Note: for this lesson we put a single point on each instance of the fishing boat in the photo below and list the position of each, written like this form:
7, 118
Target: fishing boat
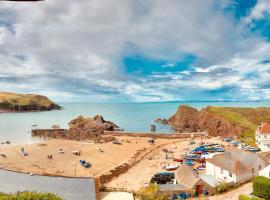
171, 167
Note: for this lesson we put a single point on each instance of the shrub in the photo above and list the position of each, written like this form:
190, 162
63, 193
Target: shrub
151, 193
261, 187
223, 187
244, 197
29, 196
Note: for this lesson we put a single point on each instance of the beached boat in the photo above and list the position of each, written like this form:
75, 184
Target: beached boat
76, 152
171, 167
189, 162
85, 163
178, 160
117, 142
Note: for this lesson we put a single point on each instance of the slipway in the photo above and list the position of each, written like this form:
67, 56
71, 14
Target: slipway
67, 188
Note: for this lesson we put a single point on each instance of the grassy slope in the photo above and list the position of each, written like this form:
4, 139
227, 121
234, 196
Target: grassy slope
247, 118
19, 99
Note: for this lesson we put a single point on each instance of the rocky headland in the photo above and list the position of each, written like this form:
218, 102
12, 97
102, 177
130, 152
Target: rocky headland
220, 121
12, 102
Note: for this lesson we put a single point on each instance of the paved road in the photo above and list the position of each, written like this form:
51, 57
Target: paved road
67, 188
234, 194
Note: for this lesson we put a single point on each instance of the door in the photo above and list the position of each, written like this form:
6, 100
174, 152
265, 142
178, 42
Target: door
199, 189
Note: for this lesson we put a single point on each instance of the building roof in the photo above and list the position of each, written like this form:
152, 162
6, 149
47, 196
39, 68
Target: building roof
67, 188
264, 128
210, 180
186, 176
266, 157
236, 161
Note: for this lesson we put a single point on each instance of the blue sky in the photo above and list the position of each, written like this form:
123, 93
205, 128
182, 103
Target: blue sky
136, 51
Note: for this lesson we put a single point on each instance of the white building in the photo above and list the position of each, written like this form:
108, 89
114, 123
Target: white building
234, 165
265, 172
263, 136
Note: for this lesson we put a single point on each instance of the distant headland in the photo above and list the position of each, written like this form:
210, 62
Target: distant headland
12, 102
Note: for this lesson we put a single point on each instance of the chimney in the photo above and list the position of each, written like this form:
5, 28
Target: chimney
236, 165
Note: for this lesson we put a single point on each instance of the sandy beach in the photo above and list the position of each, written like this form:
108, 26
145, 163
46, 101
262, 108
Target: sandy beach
63, 164
149, 158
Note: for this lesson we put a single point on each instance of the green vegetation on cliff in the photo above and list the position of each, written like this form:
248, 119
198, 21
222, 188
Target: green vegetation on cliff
27, 102
246, 118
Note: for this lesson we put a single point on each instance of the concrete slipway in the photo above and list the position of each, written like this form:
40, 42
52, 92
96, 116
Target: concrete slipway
67, 188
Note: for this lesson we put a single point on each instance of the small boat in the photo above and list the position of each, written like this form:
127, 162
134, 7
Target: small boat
100, 150
61, 151
34, 125
23, 152
117, 142
172, 167
253, 149
85, 163
76, 152
189, 162
178, 160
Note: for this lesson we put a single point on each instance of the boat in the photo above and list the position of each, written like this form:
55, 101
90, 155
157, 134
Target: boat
61, 151
85, 163
23, 152
76, 152
178, 160
189, 162
117, 142
253, 149
171, 167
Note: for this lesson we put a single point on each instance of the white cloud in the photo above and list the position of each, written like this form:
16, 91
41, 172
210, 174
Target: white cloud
76, 48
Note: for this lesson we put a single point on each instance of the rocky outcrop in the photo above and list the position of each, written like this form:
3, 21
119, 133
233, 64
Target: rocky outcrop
81, 128
89, 128
188, 119
11, 102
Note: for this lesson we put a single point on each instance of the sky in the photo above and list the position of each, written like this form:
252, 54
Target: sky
136, 51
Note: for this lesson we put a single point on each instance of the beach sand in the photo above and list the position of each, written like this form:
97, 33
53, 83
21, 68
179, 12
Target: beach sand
149, 158
140, 174
64, 164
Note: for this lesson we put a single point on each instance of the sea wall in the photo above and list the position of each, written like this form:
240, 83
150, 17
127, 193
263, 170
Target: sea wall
156, 135
61, 133
52, 133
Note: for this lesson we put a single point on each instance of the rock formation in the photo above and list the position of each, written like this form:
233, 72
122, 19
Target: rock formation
86, 128
218, 121
81, 128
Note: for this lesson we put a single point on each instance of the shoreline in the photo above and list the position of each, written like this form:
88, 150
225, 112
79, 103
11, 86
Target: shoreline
31, 111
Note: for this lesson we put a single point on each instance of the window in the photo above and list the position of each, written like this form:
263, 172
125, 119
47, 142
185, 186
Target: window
221, 171
260, 167
230, 174
253, 171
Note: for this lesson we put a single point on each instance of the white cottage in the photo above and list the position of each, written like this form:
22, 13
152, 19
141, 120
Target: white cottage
265, 172
263, 136
234, 165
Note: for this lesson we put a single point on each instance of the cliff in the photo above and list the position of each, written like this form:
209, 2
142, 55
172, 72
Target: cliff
11, 102
220, 121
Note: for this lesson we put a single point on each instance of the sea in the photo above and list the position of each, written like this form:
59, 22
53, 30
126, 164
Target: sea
132, 117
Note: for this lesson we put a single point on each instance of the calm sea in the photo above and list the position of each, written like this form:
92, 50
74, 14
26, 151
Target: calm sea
138, 117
